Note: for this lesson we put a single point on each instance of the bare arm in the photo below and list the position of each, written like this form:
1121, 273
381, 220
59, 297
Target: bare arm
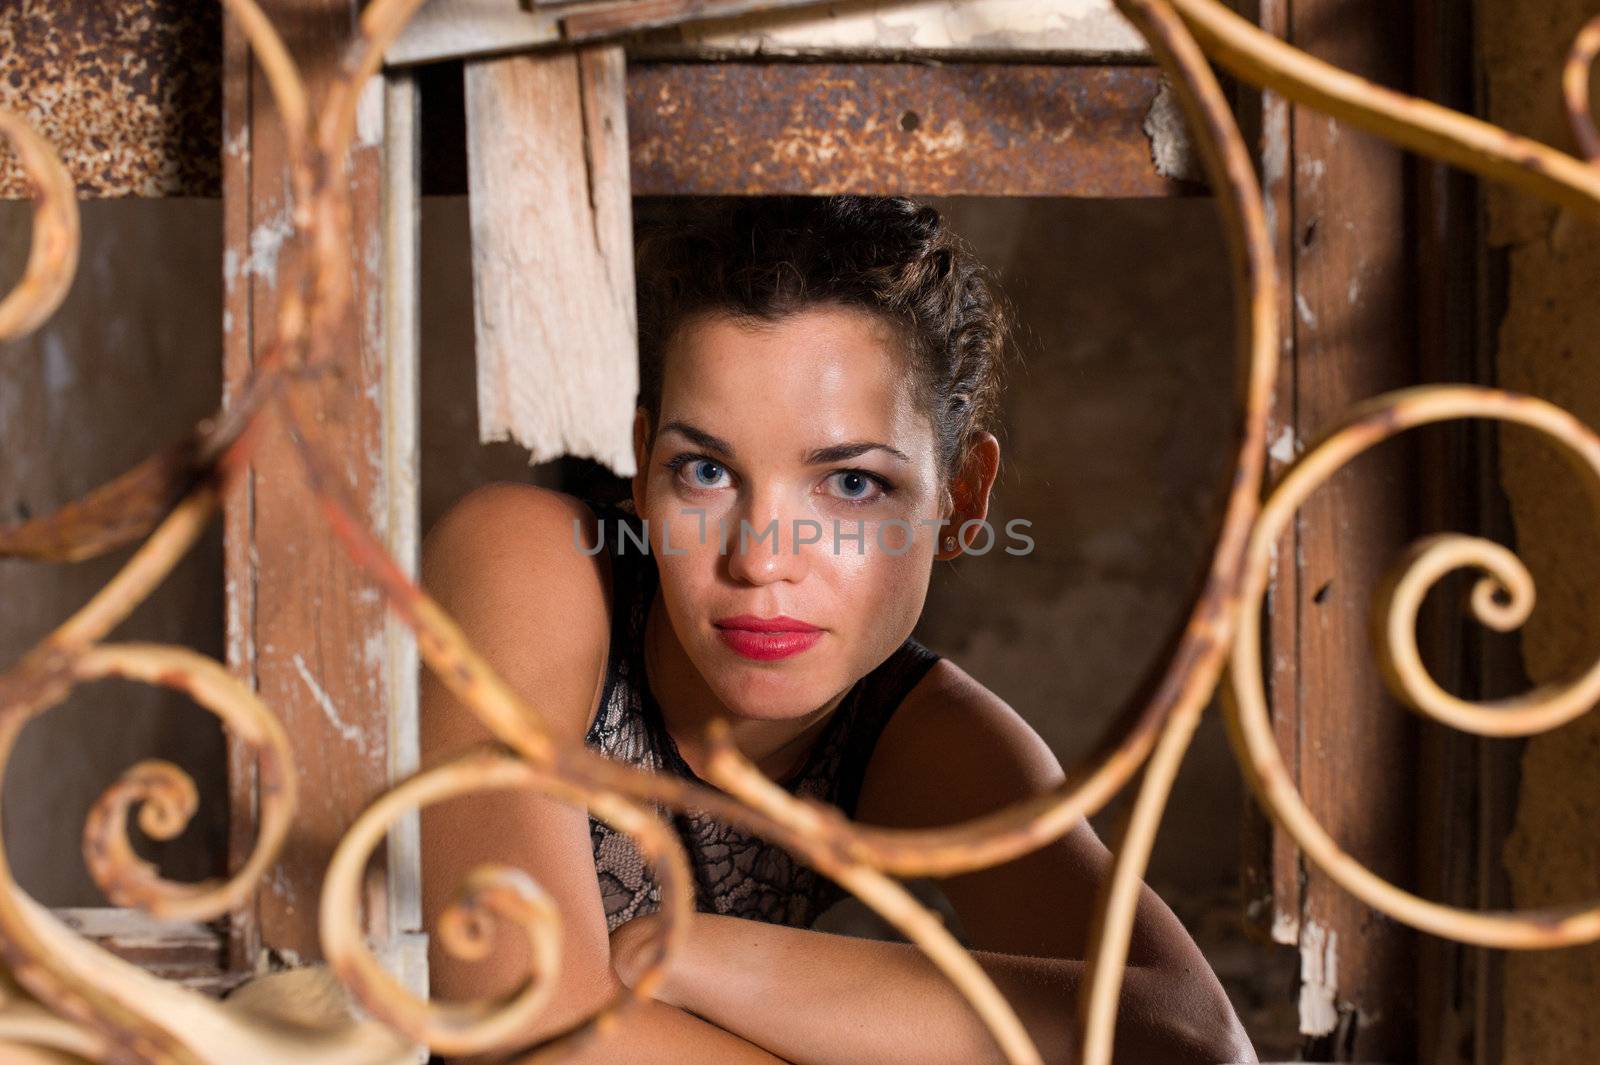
503, 563
822, 999
954, 751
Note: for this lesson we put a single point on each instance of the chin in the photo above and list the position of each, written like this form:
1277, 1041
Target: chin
767, 704
760, 692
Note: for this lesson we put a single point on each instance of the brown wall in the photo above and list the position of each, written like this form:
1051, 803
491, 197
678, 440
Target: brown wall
1547, 346
131, 362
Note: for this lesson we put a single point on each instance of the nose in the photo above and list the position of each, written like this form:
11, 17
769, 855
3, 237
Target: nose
769, 542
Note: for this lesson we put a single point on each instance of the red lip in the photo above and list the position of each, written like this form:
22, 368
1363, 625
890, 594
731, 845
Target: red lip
781, 623
766, 639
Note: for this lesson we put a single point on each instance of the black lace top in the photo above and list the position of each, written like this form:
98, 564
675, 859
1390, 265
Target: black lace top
734, 873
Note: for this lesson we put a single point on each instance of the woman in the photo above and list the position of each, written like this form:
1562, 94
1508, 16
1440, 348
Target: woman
818, 382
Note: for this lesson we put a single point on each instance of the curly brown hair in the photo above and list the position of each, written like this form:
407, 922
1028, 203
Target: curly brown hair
769, 257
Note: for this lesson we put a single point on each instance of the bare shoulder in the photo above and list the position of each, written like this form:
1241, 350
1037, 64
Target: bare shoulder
953, 749
516, 566
504, 517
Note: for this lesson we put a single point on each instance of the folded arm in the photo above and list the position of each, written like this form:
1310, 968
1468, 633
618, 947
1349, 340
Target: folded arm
954, 751
815, 998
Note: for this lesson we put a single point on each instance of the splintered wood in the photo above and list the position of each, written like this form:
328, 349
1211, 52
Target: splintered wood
552, 254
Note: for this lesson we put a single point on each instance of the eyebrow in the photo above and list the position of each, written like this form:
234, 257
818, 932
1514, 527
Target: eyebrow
818, 456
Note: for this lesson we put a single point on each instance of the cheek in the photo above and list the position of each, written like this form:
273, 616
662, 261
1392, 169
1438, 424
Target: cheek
878, 593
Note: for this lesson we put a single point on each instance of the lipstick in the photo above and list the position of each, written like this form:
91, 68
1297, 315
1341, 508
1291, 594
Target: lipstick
766, 639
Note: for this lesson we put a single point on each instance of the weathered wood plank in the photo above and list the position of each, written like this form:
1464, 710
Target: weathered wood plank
402, 496
184, 952
1085, 30
307, 627
456, 29
1273, 871
238, 522
1064, 29
453, 29
552, 239
1341, 202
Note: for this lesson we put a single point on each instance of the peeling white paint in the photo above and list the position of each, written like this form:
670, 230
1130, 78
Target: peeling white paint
1307, 316
1285, 928
369, 113
282, 886
374, 652
266, 241
1274, 159
1171, 148
1284, 447
1319, 979
350, 732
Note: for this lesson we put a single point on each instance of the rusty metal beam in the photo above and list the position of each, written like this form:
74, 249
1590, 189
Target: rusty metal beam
150, 126
963, 129
129, 93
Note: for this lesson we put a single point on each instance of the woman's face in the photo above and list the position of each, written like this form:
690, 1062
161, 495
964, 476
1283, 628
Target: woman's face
797, 448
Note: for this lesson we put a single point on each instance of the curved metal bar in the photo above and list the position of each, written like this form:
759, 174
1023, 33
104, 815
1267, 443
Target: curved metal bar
1409, 121
1239, 200
53, 256
1250, 728
1575, 89
462, 1028
166, 795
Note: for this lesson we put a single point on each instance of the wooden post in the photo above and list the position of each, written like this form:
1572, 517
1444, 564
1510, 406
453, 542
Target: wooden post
1340, 204
305, 627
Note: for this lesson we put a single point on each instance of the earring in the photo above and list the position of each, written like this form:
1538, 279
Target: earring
949, 543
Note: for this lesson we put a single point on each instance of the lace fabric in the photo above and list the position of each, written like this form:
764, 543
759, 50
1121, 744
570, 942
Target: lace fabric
735, 873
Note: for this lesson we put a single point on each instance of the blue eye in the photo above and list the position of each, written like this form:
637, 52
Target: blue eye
701, 472
698, 472
857, 485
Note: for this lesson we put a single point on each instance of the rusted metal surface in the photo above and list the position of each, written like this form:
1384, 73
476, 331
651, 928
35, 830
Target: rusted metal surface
129, 92
901, 128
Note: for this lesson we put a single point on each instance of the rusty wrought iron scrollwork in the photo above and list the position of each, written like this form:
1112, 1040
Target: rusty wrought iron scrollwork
59, 991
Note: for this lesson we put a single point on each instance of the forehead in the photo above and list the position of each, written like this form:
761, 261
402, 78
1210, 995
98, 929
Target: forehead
824, 372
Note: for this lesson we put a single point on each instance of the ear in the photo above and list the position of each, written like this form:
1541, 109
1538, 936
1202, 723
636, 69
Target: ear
969, 494
641, 456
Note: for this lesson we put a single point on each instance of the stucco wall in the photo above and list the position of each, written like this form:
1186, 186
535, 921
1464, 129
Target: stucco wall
1548, 346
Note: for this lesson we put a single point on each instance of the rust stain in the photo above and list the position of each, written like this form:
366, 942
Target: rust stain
737, 128
128, 91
